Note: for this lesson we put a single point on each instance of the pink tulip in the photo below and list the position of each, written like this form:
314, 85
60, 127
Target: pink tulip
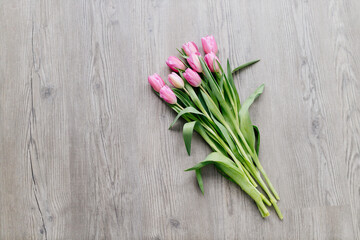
176, 80
168, 95
190, 47
209, 59
156, 82
174, 63
194, 62
209, 44
192, 77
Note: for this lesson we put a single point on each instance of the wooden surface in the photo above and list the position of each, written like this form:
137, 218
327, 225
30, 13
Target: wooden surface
84, 148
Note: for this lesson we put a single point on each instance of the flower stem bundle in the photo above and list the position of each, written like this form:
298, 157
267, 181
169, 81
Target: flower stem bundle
205, 96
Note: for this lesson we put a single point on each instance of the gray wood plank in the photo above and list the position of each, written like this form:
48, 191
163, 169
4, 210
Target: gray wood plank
85, 150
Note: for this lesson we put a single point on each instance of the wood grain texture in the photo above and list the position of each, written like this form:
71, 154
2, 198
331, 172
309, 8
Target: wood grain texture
84, 148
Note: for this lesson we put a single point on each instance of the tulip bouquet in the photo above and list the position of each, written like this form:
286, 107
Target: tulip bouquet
205, 96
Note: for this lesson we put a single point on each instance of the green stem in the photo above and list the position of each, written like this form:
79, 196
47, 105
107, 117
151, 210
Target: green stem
256, 195
186, 91
228, 150
265, 200
253, 182
202, 88
257, 162
190, 91
241, 149
237, 162
262, 212
255, 174
248, 162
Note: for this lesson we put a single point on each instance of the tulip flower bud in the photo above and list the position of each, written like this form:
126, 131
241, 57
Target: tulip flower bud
194, 62
190, 47
192, 77
156, 82
209, 59
176, 80
174, 63
168, 95
209, 44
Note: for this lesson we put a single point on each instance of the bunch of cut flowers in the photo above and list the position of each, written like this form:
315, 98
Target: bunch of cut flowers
205, 96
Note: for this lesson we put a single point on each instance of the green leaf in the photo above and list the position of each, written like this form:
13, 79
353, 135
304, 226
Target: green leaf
199, 180
245, 122
183, 97
206, 86
233, 88
215, 87
227, 91
182, 53
211, 105
224, 174
218, 158
187, 134
245, 65
185, 110
194, 97
185, 63
212, 142
232, 171
221, 80
224, 133
212, 82
257, 139
203, 103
